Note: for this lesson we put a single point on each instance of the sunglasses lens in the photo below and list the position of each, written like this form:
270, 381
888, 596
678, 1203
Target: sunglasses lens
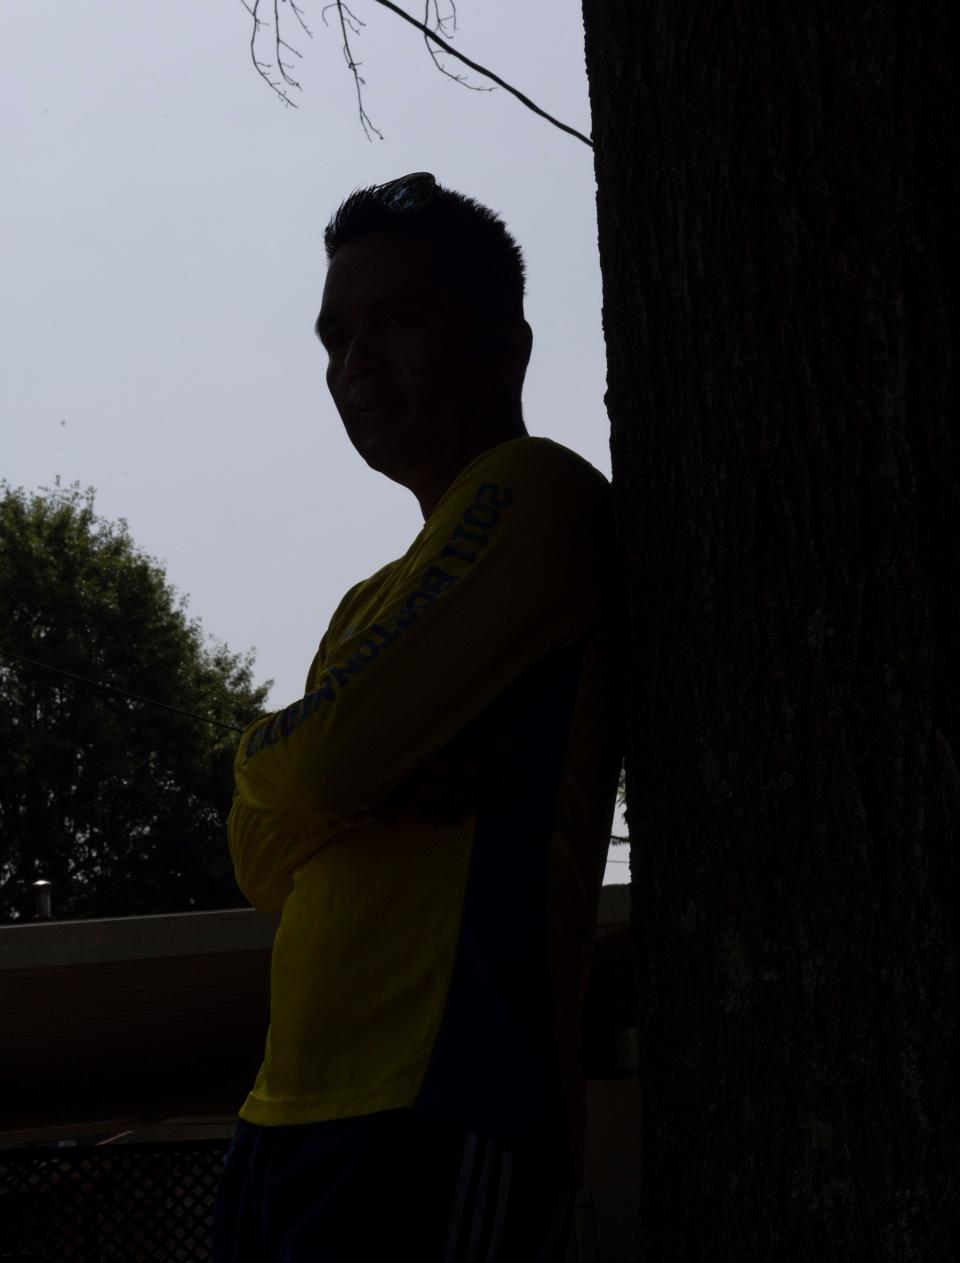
410, 192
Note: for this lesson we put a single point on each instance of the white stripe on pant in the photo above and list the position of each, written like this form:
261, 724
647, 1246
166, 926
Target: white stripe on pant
480, 1218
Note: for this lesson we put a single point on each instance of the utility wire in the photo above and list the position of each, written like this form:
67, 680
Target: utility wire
616, 837
149, 701
112, 688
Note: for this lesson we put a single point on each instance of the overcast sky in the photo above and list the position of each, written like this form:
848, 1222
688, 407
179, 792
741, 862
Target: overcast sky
162, 263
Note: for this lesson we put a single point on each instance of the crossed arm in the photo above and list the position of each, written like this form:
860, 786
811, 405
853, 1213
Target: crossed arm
448, 787
388, 729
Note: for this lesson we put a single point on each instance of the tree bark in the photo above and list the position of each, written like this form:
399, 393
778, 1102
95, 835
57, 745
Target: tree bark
777, 206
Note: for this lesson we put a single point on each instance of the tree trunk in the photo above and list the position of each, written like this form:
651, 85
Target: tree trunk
777, 215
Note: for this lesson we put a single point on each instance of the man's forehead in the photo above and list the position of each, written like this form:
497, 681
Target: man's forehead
380, 262
380, 257
367, 291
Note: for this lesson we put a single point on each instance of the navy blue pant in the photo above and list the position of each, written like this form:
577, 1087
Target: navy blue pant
396, 1184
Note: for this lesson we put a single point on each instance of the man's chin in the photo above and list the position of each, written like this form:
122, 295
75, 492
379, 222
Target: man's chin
381, 452
392, 460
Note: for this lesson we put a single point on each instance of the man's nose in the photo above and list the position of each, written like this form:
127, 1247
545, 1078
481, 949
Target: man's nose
364, 352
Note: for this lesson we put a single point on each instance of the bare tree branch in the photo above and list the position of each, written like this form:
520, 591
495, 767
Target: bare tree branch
348, 18
282, 66
430, 49
299, 16
388, 4
262, 67
365, 120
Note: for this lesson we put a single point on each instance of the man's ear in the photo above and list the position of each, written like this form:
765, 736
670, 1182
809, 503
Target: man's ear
519, 341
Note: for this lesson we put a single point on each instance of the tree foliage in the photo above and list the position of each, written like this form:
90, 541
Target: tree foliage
120, 804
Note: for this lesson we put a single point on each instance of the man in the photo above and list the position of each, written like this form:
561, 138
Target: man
433, 815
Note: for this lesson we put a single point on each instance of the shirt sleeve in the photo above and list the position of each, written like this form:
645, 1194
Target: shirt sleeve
512, 563
266, 853
264, 850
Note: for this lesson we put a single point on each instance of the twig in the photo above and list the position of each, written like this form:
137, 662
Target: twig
388, 4
262, 67
281, 64
474, 87
348, 18
299, 15
365, 121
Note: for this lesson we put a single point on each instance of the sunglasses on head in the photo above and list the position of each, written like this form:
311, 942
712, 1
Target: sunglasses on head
409, 192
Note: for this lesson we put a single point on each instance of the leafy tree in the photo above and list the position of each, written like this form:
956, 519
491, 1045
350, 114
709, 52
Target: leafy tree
119, 803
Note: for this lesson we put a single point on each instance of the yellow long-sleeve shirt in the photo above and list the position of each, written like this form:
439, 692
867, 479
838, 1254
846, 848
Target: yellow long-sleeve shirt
442, 967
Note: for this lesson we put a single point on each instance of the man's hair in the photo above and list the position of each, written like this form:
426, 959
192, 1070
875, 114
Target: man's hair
470, 239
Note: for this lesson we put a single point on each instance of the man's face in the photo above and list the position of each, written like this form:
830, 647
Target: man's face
406, 369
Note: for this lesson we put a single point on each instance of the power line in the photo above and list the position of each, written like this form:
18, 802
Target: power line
149, 701
112, 688
616, 837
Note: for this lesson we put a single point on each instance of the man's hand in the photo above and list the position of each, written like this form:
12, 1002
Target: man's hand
447, 789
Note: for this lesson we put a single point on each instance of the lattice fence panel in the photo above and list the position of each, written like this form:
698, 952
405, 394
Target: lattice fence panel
120, 1204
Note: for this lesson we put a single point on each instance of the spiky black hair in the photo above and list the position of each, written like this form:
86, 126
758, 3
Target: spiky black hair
470, 238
